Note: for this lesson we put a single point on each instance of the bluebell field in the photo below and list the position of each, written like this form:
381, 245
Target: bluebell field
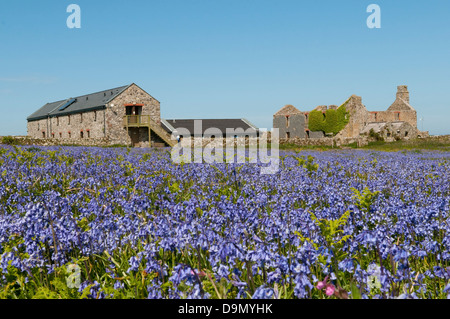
81, 222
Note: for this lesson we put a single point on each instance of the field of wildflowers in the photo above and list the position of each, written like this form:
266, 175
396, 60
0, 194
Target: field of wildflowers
120, 223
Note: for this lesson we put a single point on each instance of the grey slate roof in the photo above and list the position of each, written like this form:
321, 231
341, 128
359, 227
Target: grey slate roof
221, 124
83, 103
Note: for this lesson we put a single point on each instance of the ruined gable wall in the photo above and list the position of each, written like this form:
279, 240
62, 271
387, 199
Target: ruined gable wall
359, 117
296, 128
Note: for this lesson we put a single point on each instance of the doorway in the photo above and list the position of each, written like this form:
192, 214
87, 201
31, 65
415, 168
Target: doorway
133, 111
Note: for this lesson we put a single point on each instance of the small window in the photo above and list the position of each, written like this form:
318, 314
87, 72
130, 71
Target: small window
376, 115
406, 133
68, 119
287, 121
60, 135
70, 135
397, 116
53, 135
88, 134
288, 135
43, 134
95, 116
81, 117
81, 134
57, 121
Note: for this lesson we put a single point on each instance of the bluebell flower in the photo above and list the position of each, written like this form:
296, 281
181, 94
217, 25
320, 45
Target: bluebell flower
263, 293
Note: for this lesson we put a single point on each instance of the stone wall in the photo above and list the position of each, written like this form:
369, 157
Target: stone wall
409, 116
359, 117
37, 129
26, 140
293, 125
316, 134
116, 111
326, 141
74, 126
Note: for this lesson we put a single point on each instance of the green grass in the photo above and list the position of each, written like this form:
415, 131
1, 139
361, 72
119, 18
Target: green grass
289, 146
416, 144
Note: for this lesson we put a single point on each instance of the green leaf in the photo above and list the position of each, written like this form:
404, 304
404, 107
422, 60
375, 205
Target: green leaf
355, 292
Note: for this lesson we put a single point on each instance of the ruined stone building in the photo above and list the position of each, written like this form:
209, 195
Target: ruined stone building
399, 121
125, 115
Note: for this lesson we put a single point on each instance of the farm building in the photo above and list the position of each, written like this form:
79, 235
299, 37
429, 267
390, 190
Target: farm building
125, 115
399, 121
203, 127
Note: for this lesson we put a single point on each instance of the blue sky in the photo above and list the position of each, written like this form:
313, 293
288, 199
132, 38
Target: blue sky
226, 58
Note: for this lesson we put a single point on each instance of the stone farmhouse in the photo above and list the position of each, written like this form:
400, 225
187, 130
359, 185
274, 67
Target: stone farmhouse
399, 121
125, 115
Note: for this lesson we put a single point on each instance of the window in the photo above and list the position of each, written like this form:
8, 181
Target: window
68, 119
81, 134
57, 121
95, 116
43, 134
397, 116
287, 120
406, 133
288, 135
60, 135
53, 135
81, 117
375, 115
39, 126
88, 133
306, 116
67, 104
70, 134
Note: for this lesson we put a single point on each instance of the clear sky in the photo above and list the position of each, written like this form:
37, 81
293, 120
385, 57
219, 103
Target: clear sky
227, 58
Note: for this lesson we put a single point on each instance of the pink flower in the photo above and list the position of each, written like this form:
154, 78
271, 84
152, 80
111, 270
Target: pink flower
329, 291
320, 285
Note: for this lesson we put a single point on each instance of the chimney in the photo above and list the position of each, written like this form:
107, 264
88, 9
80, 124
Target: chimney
402, 93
